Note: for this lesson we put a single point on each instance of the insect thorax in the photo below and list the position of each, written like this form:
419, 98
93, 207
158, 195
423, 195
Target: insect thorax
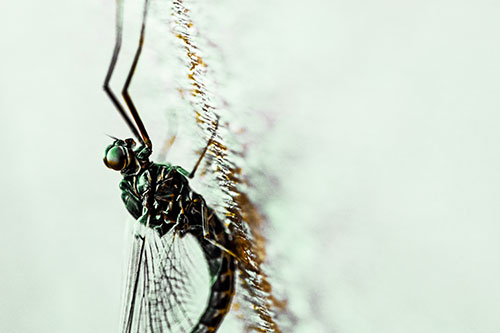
159, 196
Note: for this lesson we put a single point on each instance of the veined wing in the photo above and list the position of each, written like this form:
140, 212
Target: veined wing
167, 285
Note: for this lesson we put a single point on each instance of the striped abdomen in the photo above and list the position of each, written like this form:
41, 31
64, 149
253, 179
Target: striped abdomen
222, 269
221, 295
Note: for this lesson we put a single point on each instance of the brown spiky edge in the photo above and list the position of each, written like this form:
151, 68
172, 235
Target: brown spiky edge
243, 218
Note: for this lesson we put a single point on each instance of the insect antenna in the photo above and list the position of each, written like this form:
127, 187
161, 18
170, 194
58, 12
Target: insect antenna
111, 68
110, 136
125, 92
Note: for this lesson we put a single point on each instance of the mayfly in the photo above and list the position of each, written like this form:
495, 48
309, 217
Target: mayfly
159, 197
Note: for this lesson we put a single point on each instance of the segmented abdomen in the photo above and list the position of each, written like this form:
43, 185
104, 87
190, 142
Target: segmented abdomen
220, 298
222, 269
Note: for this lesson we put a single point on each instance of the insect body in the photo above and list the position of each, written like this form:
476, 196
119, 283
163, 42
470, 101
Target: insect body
160, 198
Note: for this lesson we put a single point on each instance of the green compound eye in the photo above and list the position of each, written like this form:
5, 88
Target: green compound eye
116, 158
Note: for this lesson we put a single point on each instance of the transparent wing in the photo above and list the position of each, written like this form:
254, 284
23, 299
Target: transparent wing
167, 286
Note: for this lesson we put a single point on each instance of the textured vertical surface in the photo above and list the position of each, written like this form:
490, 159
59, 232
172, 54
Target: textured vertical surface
225, 170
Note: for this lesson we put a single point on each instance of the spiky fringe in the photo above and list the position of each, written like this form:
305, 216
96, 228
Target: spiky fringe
243, 218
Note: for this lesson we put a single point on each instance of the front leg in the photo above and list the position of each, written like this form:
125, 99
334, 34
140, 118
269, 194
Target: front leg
138, 203
131, 201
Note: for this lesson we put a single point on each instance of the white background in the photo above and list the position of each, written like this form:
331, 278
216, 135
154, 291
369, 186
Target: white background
384, 121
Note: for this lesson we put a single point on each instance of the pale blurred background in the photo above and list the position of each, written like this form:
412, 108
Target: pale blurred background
378, 121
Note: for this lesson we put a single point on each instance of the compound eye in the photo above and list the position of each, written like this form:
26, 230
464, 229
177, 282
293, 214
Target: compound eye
116, 158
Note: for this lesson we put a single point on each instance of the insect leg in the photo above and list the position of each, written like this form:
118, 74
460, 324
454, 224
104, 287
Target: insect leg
191, 175
204, 220
206, 232
111, 68
162, 156
220, 246
125, 92
171, 135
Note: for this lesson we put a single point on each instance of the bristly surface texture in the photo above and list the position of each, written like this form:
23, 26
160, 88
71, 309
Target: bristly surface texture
223, 173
